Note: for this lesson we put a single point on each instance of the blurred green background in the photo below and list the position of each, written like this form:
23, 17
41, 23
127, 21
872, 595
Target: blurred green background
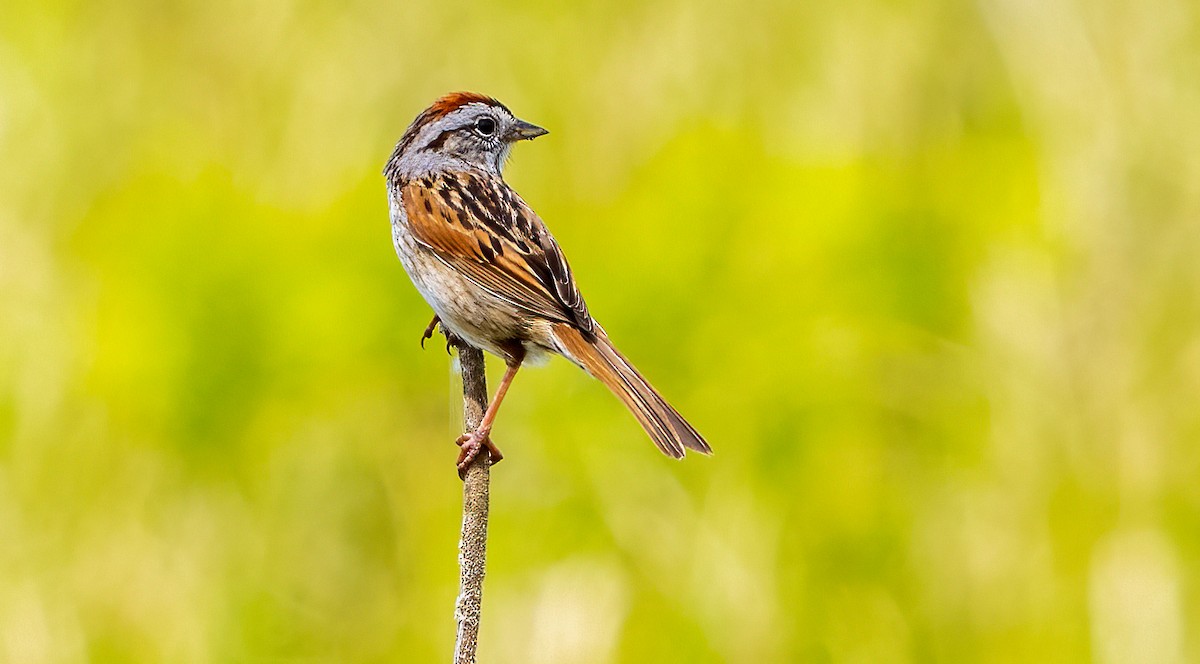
926, 274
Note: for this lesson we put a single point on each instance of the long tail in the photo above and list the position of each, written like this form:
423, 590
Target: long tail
666, 427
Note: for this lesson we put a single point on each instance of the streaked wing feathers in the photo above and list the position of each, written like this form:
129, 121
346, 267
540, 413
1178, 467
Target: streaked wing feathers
479, 226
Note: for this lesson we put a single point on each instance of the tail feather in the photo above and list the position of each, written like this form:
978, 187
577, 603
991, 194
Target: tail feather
665, 426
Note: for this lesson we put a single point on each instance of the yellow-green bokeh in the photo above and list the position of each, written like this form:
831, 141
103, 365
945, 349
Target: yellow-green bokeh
925, 274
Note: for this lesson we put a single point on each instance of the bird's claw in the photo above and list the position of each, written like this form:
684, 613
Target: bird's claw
452, 340
429, 331
471, 444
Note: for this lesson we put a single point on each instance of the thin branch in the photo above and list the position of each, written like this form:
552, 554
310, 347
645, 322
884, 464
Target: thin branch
472, 552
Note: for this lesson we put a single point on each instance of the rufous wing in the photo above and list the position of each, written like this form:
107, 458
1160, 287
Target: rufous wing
478, 226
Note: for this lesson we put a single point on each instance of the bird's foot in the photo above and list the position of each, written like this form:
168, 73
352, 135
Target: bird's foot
452, 340
429, 330
472, 444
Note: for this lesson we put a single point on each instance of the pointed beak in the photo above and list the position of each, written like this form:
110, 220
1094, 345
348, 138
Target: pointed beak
523, 131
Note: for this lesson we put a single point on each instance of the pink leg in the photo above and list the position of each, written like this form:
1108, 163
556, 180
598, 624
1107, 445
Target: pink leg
478, 439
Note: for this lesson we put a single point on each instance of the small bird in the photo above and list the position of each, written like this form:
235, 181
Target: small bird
494, 276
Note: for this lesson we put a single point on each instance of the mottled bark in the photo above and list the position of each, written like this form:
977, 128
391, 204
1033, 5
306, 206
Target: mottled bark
472, 552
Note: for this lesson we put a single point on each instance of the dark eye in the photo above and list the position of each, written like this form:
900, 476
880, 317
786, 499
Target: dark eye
485, 126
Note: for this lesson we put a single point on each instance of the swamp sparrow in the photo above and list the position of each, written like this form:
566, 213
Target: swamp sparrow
494, 275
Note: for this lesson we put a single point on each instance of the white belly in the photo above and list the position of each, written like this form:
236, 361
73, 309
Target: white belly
468, 310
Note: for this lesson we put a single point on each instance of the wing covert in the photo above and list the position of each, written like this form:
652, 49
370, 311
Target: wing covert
482, 228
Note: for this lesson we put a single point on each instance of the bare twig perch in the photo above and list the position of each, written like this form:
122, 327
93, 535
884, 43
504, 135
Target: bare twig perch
472, 553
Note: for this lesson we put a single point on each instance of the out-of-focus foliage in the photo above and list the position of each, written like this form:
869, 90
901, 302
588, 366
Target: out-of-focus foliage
926, 274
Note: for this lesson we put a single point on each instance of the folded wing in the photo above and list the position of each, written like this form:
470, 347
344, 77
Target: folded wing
480, 227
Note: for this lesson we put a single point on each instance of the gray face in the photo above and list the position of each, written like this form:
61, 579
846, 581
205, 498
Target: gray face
477, 133
474, 133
